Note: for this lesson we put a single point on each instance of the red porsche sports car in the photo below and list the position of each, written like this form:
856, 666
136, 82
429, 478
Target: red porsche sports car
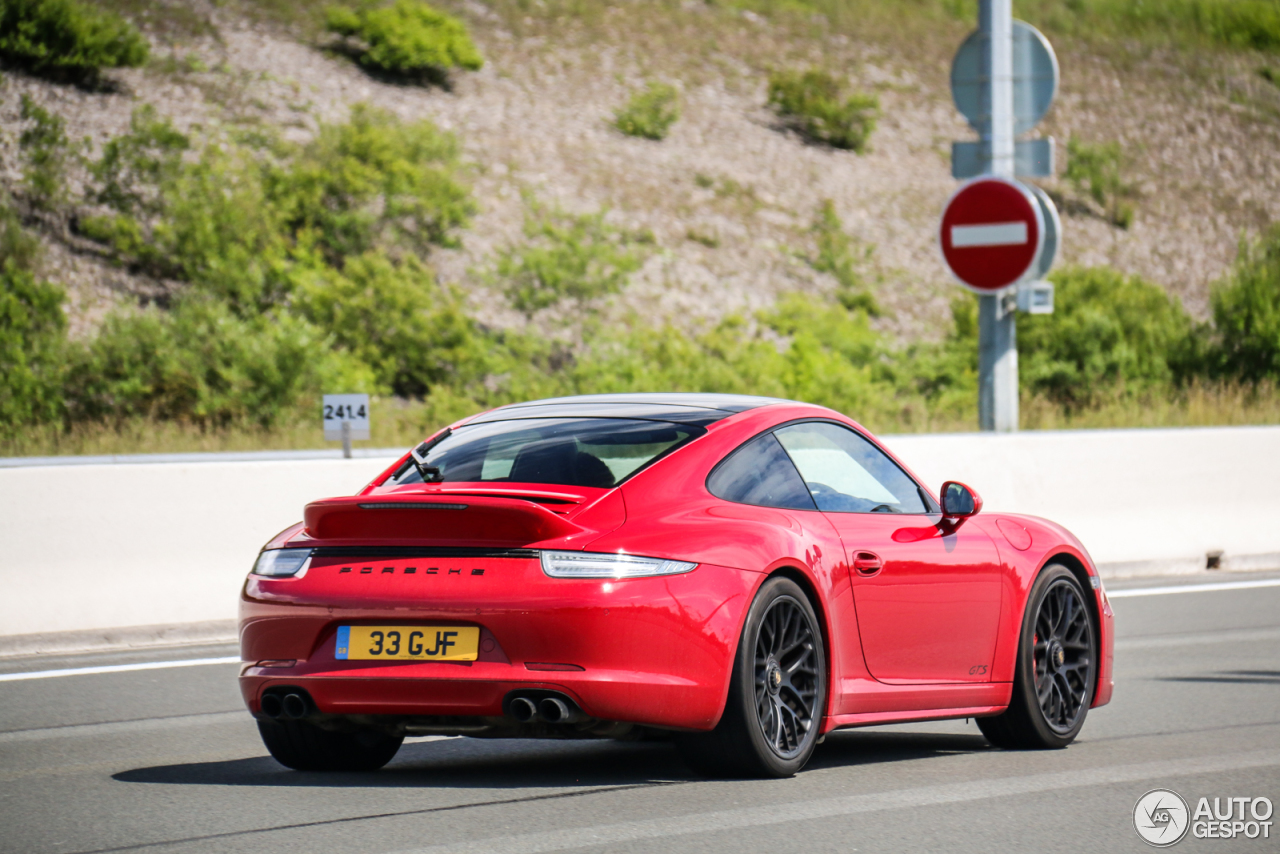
742, 573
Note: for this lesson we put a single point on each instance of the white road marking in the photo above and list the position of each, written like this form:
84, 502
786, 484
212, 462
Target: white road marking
924, 796
1198, 638
989, 234
1192, 588
122, 727
116, 668
194, 662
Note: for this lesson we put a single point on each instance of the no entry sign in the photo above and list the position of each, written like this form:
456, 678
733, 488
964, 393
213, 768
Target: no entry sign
992, 232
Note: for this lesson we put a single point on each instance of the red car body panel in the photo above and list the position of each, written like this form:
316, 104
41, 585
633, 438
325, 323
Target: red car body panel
932, 634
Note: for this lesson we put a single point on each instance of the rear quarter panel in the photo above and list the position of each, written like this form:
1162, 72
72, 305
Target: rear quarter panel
670, 513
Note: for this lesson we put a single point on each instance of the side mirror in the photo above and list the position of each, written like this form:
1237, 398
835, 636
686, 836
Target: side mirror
959, 501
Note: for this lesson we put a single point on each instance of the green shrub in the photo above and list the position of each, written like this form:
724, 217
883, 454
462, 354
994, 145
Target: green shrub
1108, 331
46, 154
839, 255
803, 348
136, 165
944, 374
202, 364
66, 35
374, 181
649, 113
218, 230
214, 228
32, 348
1097, 170
16, 245
1246, 313
815, 104
407, 37
578, 258
393, 317
231, 221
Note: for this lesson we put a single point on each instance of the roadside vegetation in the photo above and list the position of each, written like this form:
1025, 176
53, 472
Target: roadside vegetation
649, 113
1098, 172
67, 38
1235, 24
818, 106
284, 269
407, 37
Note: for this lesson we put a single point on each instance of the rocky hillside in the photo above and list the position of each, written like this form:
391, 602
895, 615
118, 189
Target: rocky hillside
729, 197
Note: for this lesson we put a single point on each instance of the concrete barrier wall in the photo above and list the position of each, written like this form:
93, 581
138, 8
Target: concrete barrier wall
95, 546
1143, 502
99, 545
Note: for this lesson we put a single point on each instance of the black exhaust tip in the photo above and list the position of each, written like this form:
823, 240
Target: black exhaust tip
523, 709
295, 706
556, 711
272, 706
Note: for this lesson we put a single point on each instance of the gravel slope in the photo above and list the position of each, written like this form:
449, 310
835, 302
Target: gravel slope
1204, 132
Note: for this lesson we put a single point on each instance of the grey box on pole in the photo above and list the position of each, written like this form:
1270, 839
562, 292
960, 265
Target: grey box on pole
1032, 158
1035, 298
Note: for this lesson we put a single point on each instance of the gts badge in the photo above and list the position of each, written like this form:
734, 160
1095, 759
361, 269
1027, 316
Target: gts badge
410, 570
978, 670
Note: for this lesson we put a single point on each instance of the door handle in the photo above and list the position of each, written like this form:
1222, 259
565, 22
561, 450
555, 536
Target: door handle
867, 563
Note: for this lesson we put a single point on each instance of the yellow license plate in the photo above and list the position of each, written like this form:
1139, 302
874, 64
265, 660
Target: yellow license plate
407, 643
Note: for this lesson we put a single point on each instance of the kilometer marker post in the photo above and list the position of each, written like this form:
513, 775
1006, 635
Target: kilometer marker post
345, 417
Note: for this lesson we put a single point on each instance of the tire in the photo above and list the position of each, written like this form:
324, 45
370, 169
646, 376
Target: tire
305, 747
1056, 669
777, 692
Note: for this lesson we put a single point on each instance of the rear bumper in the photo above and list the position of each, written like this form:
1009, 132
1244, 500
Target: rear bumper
607, 695
653, 651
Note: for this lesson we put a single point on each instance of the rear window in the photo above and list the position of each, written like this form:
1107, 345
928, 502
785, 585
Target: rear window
598, 452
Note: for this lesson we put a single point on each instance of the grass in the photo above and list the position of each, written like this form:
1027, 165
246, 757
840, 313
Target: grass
398, 423
1098, 171
1199, 405
1233, 24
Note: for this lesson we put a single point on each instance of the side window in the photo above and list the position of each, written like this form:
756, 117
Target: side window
760, 473
846, 473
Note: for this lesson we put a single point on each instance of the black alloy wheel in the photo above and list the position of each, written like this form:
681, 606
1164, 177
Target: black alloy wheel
1056, 668
786, 670
1063, 656
777, 692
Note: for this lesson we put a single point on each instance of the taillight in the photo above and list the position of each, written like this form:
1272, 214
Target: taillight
596, 565
283, 563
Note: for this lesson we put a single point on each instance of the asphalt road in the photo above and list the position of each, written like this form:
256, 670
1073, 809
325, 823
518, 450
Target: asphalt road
166, 760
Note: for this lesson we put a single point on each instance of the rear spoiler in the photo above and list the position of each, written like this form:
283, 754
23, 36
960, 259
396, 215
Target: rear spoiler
441, 520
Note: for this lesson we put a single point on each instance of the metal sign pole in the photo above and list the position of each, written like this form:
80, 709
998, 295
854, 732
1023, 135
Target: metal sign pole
997, 332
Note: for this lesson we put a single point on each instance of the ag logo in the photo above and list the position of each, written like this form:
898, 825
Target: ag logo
1161, 817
